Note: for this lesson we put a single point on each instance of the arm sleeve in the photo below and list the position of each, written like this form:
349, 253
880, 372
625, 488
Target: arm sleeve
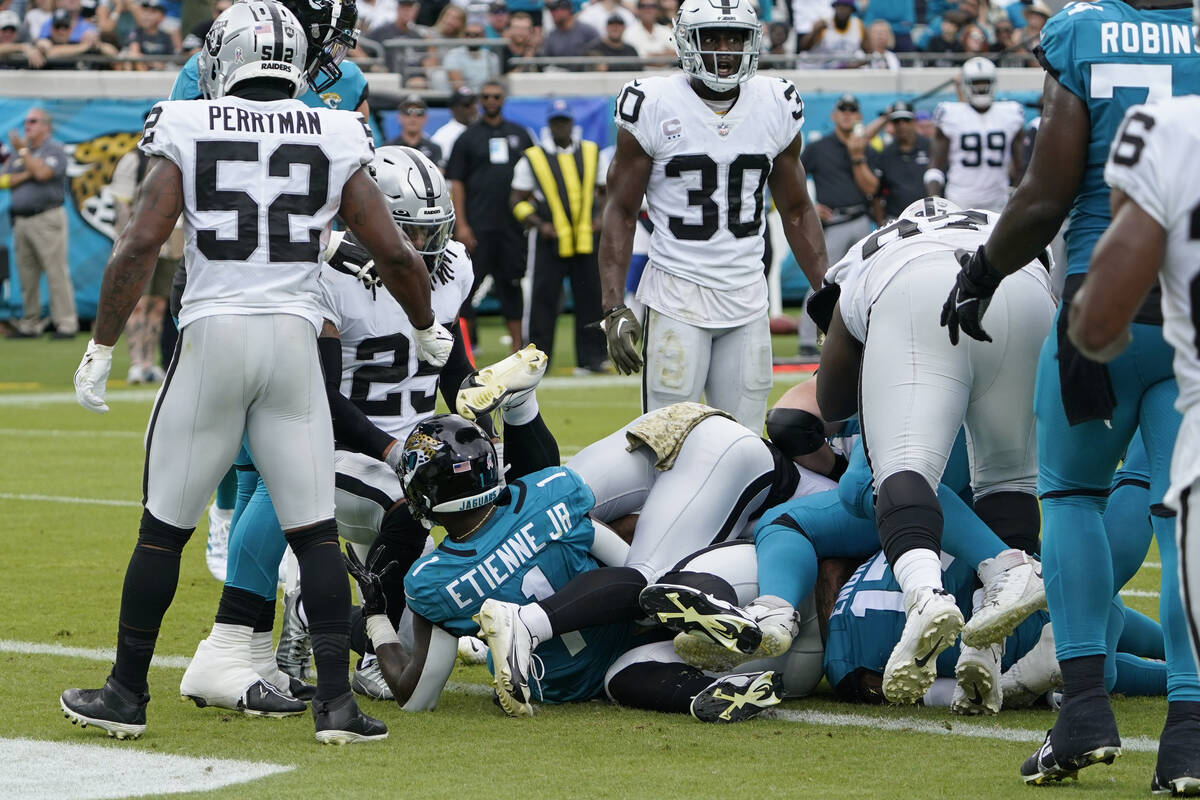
456, 369
522, 179
351, 427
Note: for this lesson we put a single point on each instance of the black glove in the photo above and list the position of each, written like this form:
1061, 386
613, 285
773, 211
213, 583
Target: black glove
623, 331
969, 299
370, 579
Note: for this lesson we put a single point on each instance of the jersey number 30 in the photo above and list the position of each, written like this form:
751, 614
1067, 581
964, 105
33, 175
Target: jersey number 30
702, 197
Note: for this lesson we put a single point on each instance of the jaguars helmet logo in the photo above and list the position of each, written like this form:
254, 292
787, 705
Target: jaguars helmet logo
419, 449
90, 170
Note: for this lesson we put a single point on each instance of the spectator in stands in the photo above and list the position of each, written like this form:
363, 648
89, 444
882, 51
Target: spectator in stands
119, 20
498, 18
62, 46
900, 14
404, 60
149, 39
412, 116
838, 36
67, 15
522, 42
597, 13
38, 13
1036, 13
974, 40
450, 23
776, 40
36, 177
805, 14
480, 169
569, 37
946, 41
429, 11
648, 36
612, 44
375, 13
901, 165
463, 110
195, 37
14, 53
979, 13
474, 64
877, 49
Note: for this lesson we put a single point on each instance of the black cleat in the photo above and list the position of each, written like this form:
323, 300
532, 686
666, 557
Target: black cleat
1177, 772
734, 698
687, 610
260, 699
1084, 734
340, 722
301, 690
114, 709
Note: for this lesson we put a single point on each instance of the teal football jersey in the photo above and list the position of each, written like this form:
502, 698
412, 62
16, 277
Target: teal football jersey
346, 93
1113, 56
537, 540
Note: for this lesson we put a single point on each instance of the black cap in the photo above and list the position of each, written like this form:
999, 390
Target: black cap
847, 102
615, 19
900, 110
61, 18
498, 7
463, 96
556, 4
413, 101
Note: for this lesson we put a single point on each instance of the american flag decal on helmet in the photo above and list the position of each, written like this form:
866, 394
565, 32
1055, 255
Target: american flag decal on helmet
462, 466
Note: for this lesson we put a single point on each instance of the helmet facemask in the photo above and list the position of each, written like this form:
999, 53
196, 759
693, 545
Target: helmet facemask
429, 233
698, 16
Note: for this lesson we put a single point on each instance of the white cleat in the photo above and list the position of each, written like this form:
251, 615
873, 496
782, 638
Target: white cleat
933, 624
216, 554
502, 385
224, 677
1012, 590
977, 675
512, 655
368, 679
471, 651
1033, 675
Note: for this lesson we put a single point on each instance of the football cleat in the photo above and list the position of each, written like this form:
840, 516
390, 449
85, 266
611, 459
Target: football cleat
294, 652
368, 679
933, 624
502, 385
471, 651
1012, 590
734, 698
1091, 738
977, 681
1177, 771
512, 655
223, 677
340, 722
688, 610
778, 622
114, 709
216, 553
1033, 675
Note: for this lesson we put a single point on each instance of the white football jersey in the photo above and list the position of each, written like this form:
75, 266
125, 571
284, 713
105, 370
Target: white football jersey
980, 151
262, 181
875, 260
1155, 158
380, 370
706, 188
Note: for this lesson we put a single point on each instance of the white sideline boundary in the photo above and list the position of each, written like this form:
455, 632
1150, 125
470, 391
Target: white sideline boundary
70, 771
50, 498
949, 727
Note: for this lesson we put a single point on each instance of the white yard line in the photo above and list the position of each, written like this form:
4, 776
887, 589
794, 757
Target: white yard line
1152, 564
1139, 593
65, 434
50, 498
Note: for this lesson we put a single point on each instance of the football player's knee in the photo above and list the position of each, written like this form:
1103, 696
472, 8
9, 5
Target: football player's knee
794, 431
907, 515
154, 534
301, 541
705, 582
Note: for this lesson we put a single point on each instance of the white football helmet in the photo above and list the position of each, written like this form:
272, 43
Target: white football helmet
419, 199
929, 207
979, 82
696, 15
255, 39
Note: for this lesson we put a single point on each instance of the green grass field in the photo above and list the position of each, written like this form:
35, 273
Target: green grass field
69, 485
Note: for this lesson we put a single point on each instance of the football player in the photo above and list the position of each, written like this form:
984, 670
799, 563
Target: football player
1087, 412
1154, 202
913, 391
975, 152
702, 146
247, 362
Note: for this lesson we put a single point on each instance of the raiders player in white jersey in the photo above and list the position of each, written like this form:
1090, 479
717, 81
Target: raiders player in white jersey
253, 172
887, 360
974, 159
1152, 169
702, 145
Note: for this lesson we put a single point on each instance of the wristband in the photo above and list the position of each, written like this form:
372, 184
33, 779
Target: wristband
934, 175
522, 210
5, 181
857, 161
380, 629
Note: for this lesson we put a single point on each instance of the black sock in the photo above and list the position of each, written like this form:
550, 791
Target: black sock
597, 597
240, 607
326, 591
655, 686
1182, 712
266, 616
1013, 516
149, 588
528, 448
1082, 674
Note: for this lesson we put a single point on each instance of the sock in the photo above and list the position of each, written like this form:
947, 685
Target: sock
262, 658
232, 637
529, 448
522, 411
940, 694
266, 618
326, 590
1081, 675
537, 621
596, 597
917, 568
239, 607
656, 686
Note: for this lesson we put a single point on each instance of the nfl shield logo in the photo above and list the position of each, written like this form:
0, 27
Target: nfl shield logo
723, 129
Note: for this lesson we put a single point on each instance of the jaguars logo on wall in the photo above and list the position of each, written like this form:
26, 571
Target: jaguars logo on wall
90, 172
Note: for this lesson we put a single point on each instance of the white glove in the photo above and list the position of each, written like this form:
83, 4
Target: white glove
433, 344
91, 379
395, 455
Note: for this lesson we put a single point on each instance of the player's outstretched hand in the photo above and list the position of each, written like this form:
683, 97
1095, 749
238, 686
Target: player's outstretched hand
433, 344
969, 299
91, 379
624, 332
370, 581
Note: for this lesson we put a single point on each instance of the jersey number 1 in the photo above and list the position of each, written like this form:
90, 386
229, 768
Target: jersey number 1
535, 586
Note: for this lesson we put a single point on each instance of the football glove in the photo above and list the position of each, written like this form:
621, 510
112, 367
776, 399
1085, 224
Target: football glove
623, 332
433, 344
395, 456
91, 379
969, 299
370, 579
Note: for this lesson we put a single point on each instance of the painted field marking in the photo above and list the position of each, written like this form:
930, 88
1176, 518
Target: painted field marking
50, 498
1139, 593
66, 434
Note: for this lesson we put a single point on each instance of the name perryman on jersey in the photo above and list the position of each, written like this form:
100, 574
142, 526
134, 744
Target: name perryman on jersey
228, 118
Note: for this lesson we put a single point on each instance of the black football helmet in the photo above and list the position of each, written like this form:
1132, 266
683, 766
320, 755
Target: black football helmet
449, 465
331, 28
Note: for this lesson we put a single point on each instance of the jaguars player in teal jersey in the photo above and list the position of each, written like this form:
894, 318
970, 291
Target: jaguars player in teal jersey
1101, 58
